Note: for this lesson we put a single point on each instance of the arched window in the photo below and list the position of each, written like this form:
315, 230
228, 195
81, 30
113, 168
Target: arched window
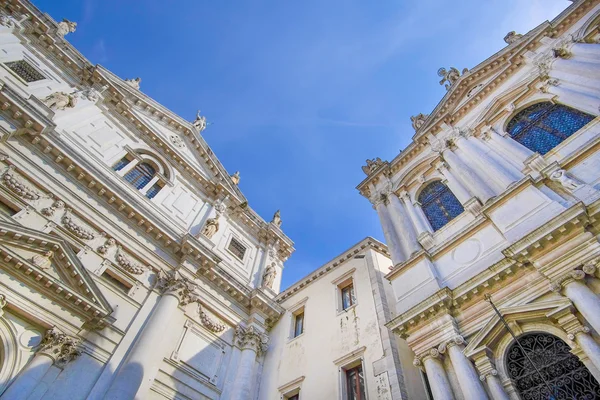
439, 204
565, 377
543, 126
141, 174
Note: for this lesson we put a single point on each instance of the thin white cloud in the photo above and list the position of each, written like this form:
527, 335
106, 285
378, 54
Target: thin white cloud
99, 53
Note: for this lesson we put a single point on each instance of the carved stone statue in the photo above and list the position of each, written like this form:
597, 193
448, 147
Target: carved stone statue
43, 261
200, 122
372, 165
276, 218
512, 37
269, 276
7, 21
134, 83
568, 182
210, 228
450, 76
60, 101
418, 121
66, 27
236, 178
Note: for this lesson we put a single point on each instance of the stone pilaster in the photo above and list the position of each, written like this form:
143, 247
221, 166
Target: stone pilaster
137, 373
253, 344
55, 348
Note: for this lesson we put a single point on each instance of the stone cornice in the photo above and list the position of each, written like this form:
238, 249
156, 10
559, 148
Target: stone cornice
367, 243
517, 257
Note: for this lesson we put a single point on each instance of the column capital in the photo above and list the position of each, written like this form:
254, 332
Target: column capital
454, 341
174, 284
577, 331
60, 347
559, 283
491, 372
251, 338
433, 353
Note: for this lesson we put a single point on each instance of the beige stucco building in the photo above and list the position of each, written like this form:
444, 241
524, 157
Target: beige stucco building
132, 266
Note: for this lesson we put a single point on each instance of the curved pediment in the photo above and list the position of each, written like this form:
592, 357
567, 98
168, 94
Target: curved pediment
46, 264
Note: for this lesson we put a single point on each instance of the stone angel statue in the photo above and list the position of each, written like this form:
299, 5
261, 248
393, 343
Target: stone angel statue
200, 122
451, 76
60, 100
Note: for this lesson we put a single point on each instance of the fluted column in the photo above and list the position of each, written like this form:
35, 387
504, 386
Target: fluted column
404, 227
510, 148
499, 176
252, 343
389, 233
577, 67
455, 186
417, 219
56, 347
137, 373
590, 51
575, 99
468, 177
494, 385
585, 300
467, 376
587, 344
436, 375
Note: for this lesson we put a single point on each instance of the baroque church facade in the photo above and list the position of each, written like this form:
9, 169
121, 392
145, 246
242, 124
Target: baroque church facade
491, 218
133, 267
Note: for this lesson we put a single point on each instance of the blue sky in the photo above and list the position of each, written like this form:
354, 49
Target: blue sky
299, 93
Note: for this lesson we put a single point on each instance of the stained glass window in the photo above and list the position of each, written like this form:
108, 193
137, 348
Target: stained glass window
543, 126
153, 191
121, 164
439, 204
140, 175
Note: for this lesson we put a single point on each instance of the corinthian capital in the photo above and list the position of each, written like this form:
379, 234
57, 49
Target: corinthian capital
60, 347
251, 338
173, 283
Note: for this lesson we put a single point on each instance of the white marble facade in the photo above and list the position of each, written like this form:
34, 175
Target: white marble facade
132, 265
517, 223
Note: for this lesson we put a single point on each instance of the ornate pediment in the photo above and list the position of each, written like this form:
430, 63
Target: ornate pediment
46, 264
494, 329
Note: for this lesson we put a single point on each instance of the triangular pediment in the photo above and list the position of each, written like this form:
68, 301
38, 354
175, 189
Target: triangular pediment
46, 264
506, 100
494, 330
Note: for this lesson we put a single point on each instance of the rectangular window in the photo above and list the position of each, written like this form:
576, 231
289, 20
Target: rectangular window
355, 384
348, 299
25, 71
294, 397
237, 248
298, 324
115, 281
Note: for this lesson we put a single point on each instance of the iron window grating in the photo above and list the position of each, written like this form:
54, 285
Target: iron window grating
237, 248
25, 71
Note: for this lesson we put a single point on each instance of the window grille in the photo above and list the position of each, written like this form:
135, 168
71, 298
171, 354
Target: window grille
543, 126
566, 375
439, 204
25, 71
237, 248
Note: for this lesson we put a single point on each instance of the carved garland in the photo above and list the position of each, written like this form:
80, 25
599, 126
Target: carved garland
127, 264
18, 187
75, 229
210, 323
